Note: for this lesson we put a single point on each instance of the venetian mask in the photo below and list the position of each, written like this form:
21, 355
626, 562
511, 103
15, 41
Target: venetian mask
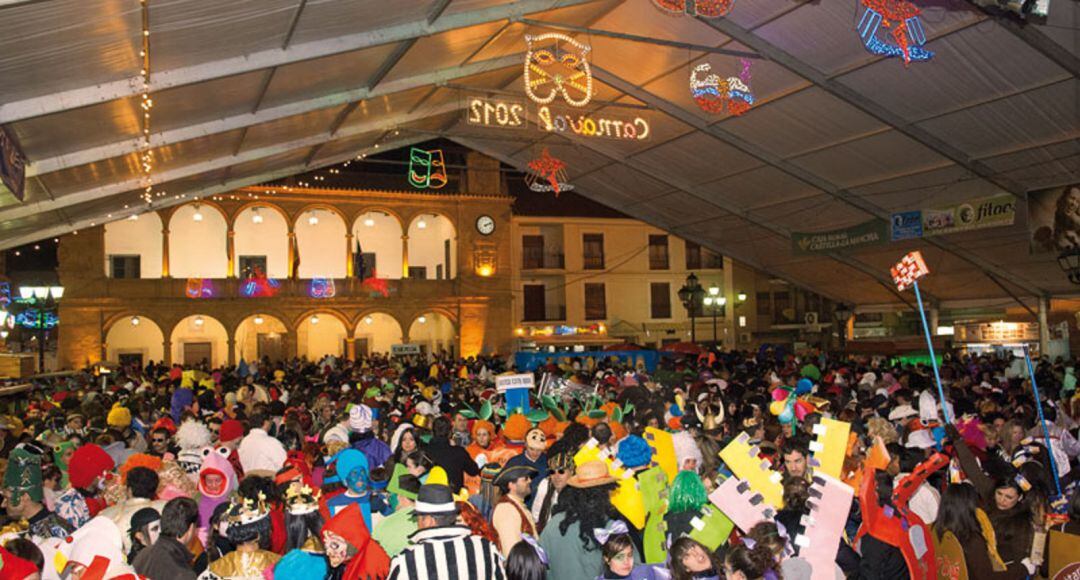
557, 69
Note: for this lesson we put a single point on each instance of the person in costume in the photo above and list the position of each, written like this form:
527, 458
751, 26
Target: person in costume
617, 553
363, 439
62, 453
303, 521
560, 469
192, 437
746, 563
248, 528
510, 517
351, 469
217, 482
23, 497
87, 470
584, 506
141, 481
351, 553
534, 455
144, 530
685, 500
393, 532
961, 516
168, 557
455, 460
440, 536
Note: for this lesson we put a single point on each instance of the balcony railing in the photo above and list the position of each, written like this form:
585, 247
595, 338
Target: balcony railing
225, 288
552, 313
593, 262
531, 260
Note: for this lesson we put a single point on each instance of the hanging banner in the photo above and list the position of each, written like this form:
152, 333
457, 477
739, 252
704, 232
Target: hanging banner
12, 166
985, 212
906, 225
1054, 219
864, 234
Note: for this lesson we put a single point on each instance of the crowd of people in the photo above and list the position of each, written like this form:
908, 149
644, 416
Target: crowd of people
712, 465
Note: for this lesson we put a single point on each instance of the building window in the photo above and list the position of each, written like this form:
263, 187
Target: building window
783, 313
658, 252
125, 266
764, 304
660, 299
248, 264
595, 302
418, 272
693, 256
594, 251
532, 252
698, 258
534, 303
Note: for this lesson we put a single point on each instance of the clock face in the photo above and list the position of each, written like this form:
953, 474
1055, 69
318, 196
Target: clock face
485, 225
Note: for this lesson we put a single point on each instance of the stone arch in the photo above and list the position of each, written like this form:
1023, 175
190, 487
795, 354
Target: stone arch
125, 336
189, 340
432, 244
328, 336
434, 330
377, 230
247, 344
269, 238
323, 246
377, 336
198, 248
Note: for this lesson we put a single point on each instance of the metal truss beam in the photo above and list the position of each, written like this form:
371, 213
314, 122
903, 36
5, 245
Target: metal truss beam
206, 71
678, 113
183, 172
180, 134
192, 194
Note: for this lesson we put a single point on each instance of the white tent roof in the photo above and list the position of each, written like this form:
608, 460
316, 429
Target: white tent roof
248, 91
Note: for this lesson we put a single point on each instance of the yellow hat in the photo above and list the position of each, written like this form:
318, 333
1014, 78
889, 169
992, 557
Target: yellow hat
437, 476
119, 416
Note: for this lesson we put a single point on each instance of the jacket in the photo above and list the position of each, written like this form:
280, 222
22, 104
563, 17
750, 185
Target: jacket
434, 555
167, 559
455, 460
574, 561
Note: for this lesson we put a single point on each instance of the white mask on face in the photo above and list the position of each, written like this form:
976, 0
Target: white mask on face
154, 531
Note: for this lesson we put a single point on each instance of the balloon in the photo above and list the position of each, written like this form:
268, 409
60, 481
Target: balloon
777, 407
802, 409
780, 394
804, 386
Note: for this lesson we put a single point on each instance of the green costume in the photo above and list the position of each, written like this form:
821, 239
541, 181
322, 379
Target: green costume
23, 475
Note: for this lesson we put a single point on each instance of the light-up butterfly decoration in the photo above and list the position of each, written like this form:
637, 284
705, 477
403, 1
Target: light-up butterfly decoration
322, 288
427, 169
901, 18
547, 173
714, 94
704, 8
561, 68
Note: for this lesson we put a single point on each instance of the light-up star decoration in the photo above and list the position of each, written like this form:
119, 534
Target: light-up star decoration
703, 8
901, 18
547, 173
714, 94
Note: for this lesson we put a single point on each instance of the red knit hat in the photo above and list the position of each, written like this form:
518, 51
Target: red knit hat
87, 463
231, 430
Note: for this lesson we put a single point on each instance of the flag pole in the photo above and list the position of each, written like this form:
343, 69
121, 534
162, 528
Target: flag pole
933, 358
1046, 431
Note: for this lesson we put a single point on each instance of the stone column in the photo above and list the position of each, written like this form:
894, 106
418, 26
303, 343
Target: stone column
231, 243
165, 253
730, 317
349, 273
350, 349
166, 352
1044, 328
292, 252
231, 345
405, 256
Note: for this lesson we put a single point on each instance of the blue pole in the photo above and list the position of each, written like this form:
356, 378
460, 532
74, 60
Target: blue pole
1046, 432
933, 357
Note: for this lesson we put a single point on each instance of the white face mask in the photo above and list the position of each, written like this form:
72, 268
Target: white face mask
154, 531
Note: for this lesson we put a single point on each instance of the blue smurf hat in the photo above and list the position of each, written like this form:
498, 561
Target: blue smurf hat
301, 564
634, 452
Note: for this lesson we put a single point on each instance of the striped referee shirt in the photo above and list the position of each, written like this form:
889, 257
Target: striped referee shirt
448, 553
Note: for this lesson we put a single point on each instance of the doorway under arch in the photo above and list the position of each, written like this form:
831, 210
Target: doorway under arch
261, 335
134, 339
376, 333
434, 332
200, 338
321, 334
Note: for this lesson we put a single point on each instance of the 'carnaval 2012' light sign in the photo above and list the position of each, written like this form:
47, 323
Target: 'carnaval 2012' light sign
593, 125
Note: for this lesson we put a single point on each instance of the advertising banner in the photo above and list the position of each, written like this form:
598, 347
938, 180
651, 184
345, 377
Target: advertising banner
976, 214
864, 234
1054, 219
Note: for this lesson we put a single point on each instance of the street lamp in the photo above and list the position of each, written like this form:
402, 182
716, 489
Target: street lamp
842, 314
715, 304
45, 299
1069, 262
691, 295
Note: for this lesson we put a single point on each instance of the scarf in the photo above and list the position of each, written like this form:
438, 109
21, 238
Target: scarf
991, 540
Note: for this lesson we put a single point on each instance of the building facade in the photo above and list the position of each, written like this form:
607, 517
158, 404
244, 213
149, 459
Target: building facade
284, 272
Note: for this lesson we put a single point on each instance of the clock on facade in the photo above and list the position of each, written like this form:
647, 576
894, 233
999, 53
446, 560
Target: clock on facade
485, 224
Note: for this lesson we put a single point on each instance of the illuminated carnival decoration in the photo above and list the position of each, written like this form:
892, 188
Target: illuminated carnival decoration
427, 169
375, 285
714, 94
322, 288
557, 71
592, 125
703, 8
547, 173
906, 35
197, 288
257, 285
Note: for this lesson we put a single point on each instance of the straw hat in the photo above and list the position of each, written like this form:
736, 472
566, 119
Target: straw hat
591, 474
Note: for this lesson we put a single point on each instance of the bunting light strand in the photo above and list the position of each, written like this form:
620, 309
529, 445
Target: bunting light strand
146, 103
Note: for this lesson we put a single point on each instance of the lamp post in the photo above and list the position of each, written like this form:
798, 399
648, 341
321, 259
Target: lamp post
691, 295
715, 303
45, 299
842, 314
1069, 262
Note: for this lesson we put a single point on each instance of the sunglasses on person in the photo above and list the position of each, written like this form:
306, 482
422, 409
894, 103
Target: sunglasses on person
560, 471
159, 440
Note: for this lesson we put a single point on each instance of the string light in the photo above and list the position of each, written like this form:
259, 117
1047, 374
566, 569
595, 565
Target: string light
543, 66
146, 156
